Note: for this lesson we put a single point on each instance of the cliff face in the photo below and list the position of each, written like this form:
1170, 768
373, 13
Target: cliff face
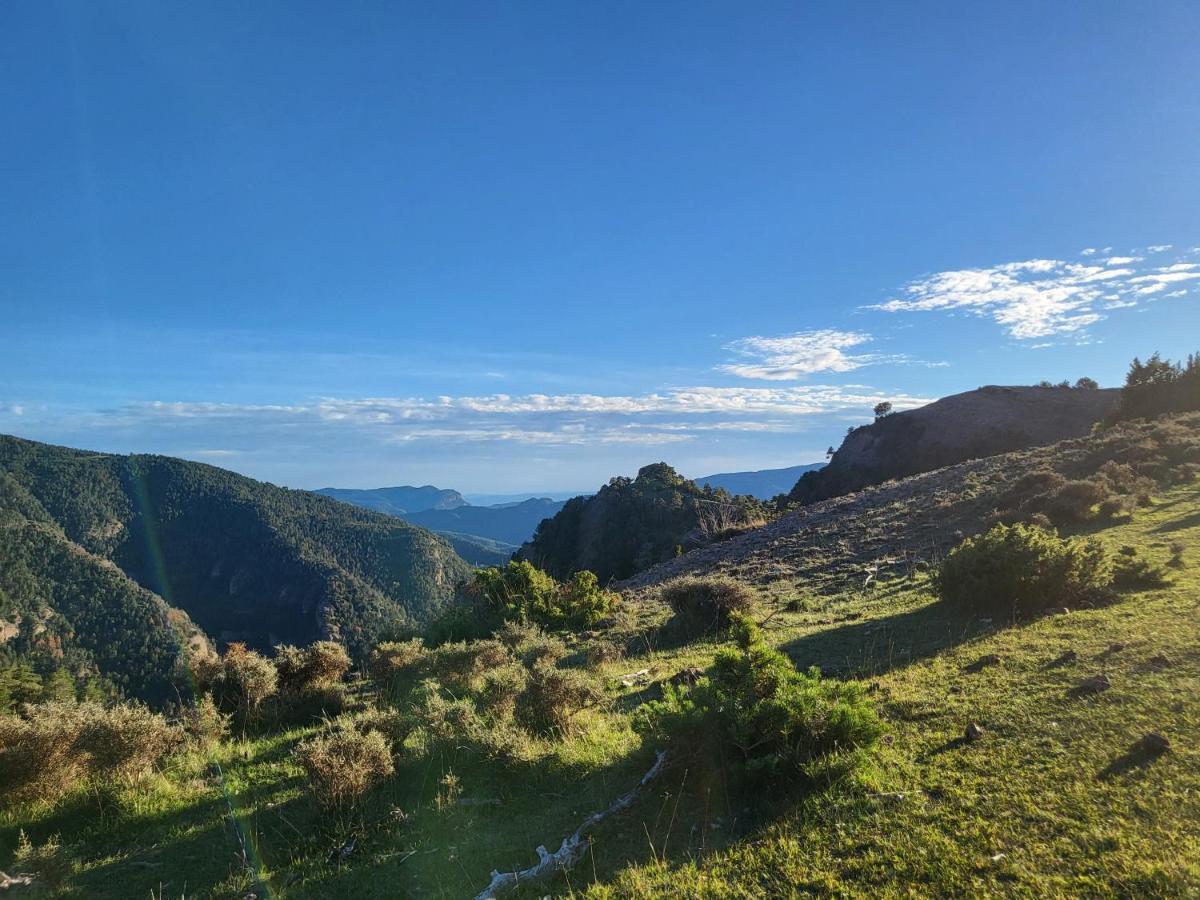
961, 427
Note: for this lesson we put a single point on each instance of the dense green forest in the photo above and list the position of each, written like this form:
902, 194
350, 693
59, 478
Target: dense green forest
100, 546
632, 523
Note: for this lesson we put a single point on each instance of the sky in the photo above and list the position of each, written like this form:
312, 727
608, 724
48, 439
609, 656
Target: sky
529, 246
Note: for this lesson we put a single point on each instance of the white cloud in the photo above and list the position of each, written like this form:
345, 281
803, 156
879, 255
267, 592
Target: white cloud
1158, 248
1088, 251
15, 409
1041, 298
664, 417
791, 356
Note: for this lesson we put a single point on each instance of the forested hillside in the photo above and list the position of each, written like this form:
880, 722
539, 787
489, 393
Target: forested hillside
632, 523
72, 618
245, 560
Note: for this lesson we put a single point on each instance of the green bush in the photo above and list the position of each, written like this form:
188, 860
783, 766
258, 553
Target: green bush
707, 602
1020, 569
523, 593
755, 701
343, 764
1075, 501
50, 864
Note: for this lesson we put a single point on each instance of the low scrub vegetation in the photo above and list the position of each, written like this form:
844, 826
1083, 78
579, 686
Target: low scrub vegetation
1019, 570
521, 592
240, 681
774, 718
707, 603
343, 764
51, 747
490, 694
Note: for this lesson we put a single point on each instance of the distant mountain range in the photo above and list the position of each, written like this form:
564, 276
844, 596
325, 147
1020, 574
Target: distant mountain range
397, 501
488, 534
482, 535
763, 484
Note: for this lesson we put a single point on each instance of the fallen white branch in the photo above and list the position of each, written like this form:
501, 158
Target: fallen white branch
573, 846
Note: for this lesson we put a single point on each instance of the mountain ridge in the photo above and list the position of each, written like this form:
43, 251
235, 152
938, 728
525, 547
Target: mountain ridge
244, 559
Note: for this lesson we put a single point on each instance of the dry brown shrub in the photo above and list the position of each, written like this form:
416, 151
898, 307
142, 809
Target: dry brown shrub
343, 764
553, 697
709, 601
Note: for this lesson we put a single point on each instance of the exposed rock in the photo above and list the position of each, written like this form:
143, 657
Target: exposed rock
965, 426
974, 732
1155, 742
1095, 685
988, 659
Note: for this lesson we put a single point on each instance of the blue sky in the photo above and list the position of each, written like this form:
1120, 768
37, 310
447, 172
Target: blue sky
519, 247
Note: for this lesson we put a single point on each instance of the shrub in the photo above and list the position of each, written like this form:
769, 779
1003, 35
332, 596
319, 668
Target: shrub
460, 667
396, 661
244, 682
53, 746
532, 645
708, 602
603, 651
40, 751
501, 688
51, 864
1176, 560
125, 739
523, 593
552, 697
1037, 484
1022, 569
205, 724
1074, 501
757, 704
318, 665
343, 764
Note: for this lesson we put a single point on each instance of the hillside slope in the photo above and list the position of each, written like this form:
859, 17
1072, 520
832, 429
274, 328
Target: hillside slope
246, 560
1056, 798
964, 426
62, 607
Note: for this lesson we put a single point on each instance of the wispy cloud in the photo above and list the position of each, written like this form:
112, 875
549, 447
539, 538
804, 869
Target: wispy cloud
791, 356
662, 417
1042, 298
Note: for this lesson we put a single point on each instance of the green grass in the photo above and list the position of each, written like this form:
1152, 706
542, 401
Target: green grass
1053, 800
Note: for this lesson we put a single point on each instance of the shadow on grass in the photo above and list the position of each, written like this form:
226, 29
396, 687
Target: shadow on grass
1137, 757
879, 645
1192, 521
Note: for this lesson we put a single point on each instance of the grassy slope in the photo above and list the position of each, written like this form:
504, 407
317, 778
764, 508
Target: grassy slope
1051, 801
